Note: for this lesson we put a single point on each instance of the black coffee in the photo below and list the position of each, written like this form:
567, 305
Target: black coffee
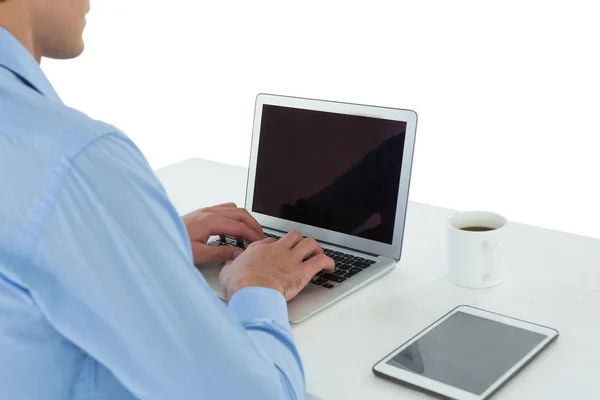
477, 228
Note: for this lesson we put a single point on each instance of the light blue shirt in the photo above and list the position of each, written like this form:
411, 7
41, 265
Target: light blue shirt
99, 297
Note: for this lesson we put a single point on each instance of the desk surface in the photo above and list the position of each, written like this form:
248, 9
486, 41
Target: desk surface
553, 278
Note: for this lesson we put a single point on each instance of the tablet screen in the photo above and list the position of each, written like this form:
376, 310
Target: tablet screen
467, 352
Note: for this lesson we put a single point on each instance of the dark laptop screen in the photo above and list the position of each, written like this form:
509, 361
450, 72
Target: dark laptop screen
333, 171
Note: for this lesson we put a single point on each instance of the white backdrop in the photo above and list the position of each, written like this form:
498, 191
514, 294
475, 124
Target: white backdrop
507, 92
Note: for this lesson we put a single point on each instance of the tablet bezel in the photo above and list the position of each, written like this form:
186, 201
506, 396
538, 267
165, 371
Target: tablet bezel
385, 370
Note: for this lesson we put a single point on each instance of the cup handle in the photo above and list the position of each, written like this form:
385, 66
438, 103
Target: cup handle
490, 248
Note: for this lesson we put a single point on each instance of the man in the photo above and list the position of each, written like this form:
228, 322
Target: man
99, 296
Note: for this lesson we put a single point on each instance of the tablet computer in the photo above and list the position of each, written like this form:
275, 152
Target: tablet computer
468, 354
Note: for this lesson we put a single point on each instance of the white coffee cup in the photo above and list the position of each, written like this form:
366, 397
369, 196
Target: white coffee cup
475, 256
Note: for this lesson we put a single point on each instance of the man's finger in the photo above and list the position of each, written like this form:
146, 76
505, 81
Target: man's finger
318, 263
291, 240
263, 242
205, 253
240, 215
221, 225
307, 249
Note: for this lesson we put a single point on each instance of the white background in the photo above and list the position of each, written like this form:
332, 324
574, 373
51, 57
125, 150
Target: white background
507, 93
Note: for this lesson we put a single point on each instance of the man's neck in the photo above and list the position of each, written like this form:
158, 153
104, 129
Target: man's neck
14, 17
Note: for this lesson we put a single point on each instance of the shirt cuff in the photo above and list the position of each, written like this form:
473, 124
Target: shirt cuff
253, 304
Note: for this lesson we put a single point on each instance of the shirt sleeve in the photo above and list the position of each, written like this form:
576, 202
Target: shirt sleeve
112, 271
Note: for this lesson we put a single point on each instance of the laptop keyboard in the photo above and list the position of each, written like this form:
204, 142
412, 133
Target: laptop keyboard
346, 265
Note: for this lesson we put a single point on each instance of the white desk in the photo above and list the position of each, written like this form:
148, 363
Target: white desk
553, 279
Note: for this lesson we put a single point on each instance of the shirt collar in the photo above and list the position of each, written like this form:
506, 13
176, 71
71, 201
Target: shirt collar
15, 57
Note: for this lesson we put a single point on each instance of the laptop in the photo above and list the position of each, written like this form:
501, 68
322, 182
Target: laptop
335, 172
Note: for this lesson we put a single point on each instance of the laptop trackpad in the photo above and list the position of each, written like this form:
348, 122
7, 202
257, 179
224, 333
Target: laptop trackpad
211, 271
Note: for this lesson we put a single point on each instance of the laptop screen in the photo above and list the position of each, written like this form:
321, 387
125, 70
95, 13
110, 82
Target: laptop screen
333, 171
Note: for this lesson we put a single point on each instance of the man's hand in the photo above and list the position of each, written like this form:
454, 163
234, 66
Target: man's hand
224, 220
286, 265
